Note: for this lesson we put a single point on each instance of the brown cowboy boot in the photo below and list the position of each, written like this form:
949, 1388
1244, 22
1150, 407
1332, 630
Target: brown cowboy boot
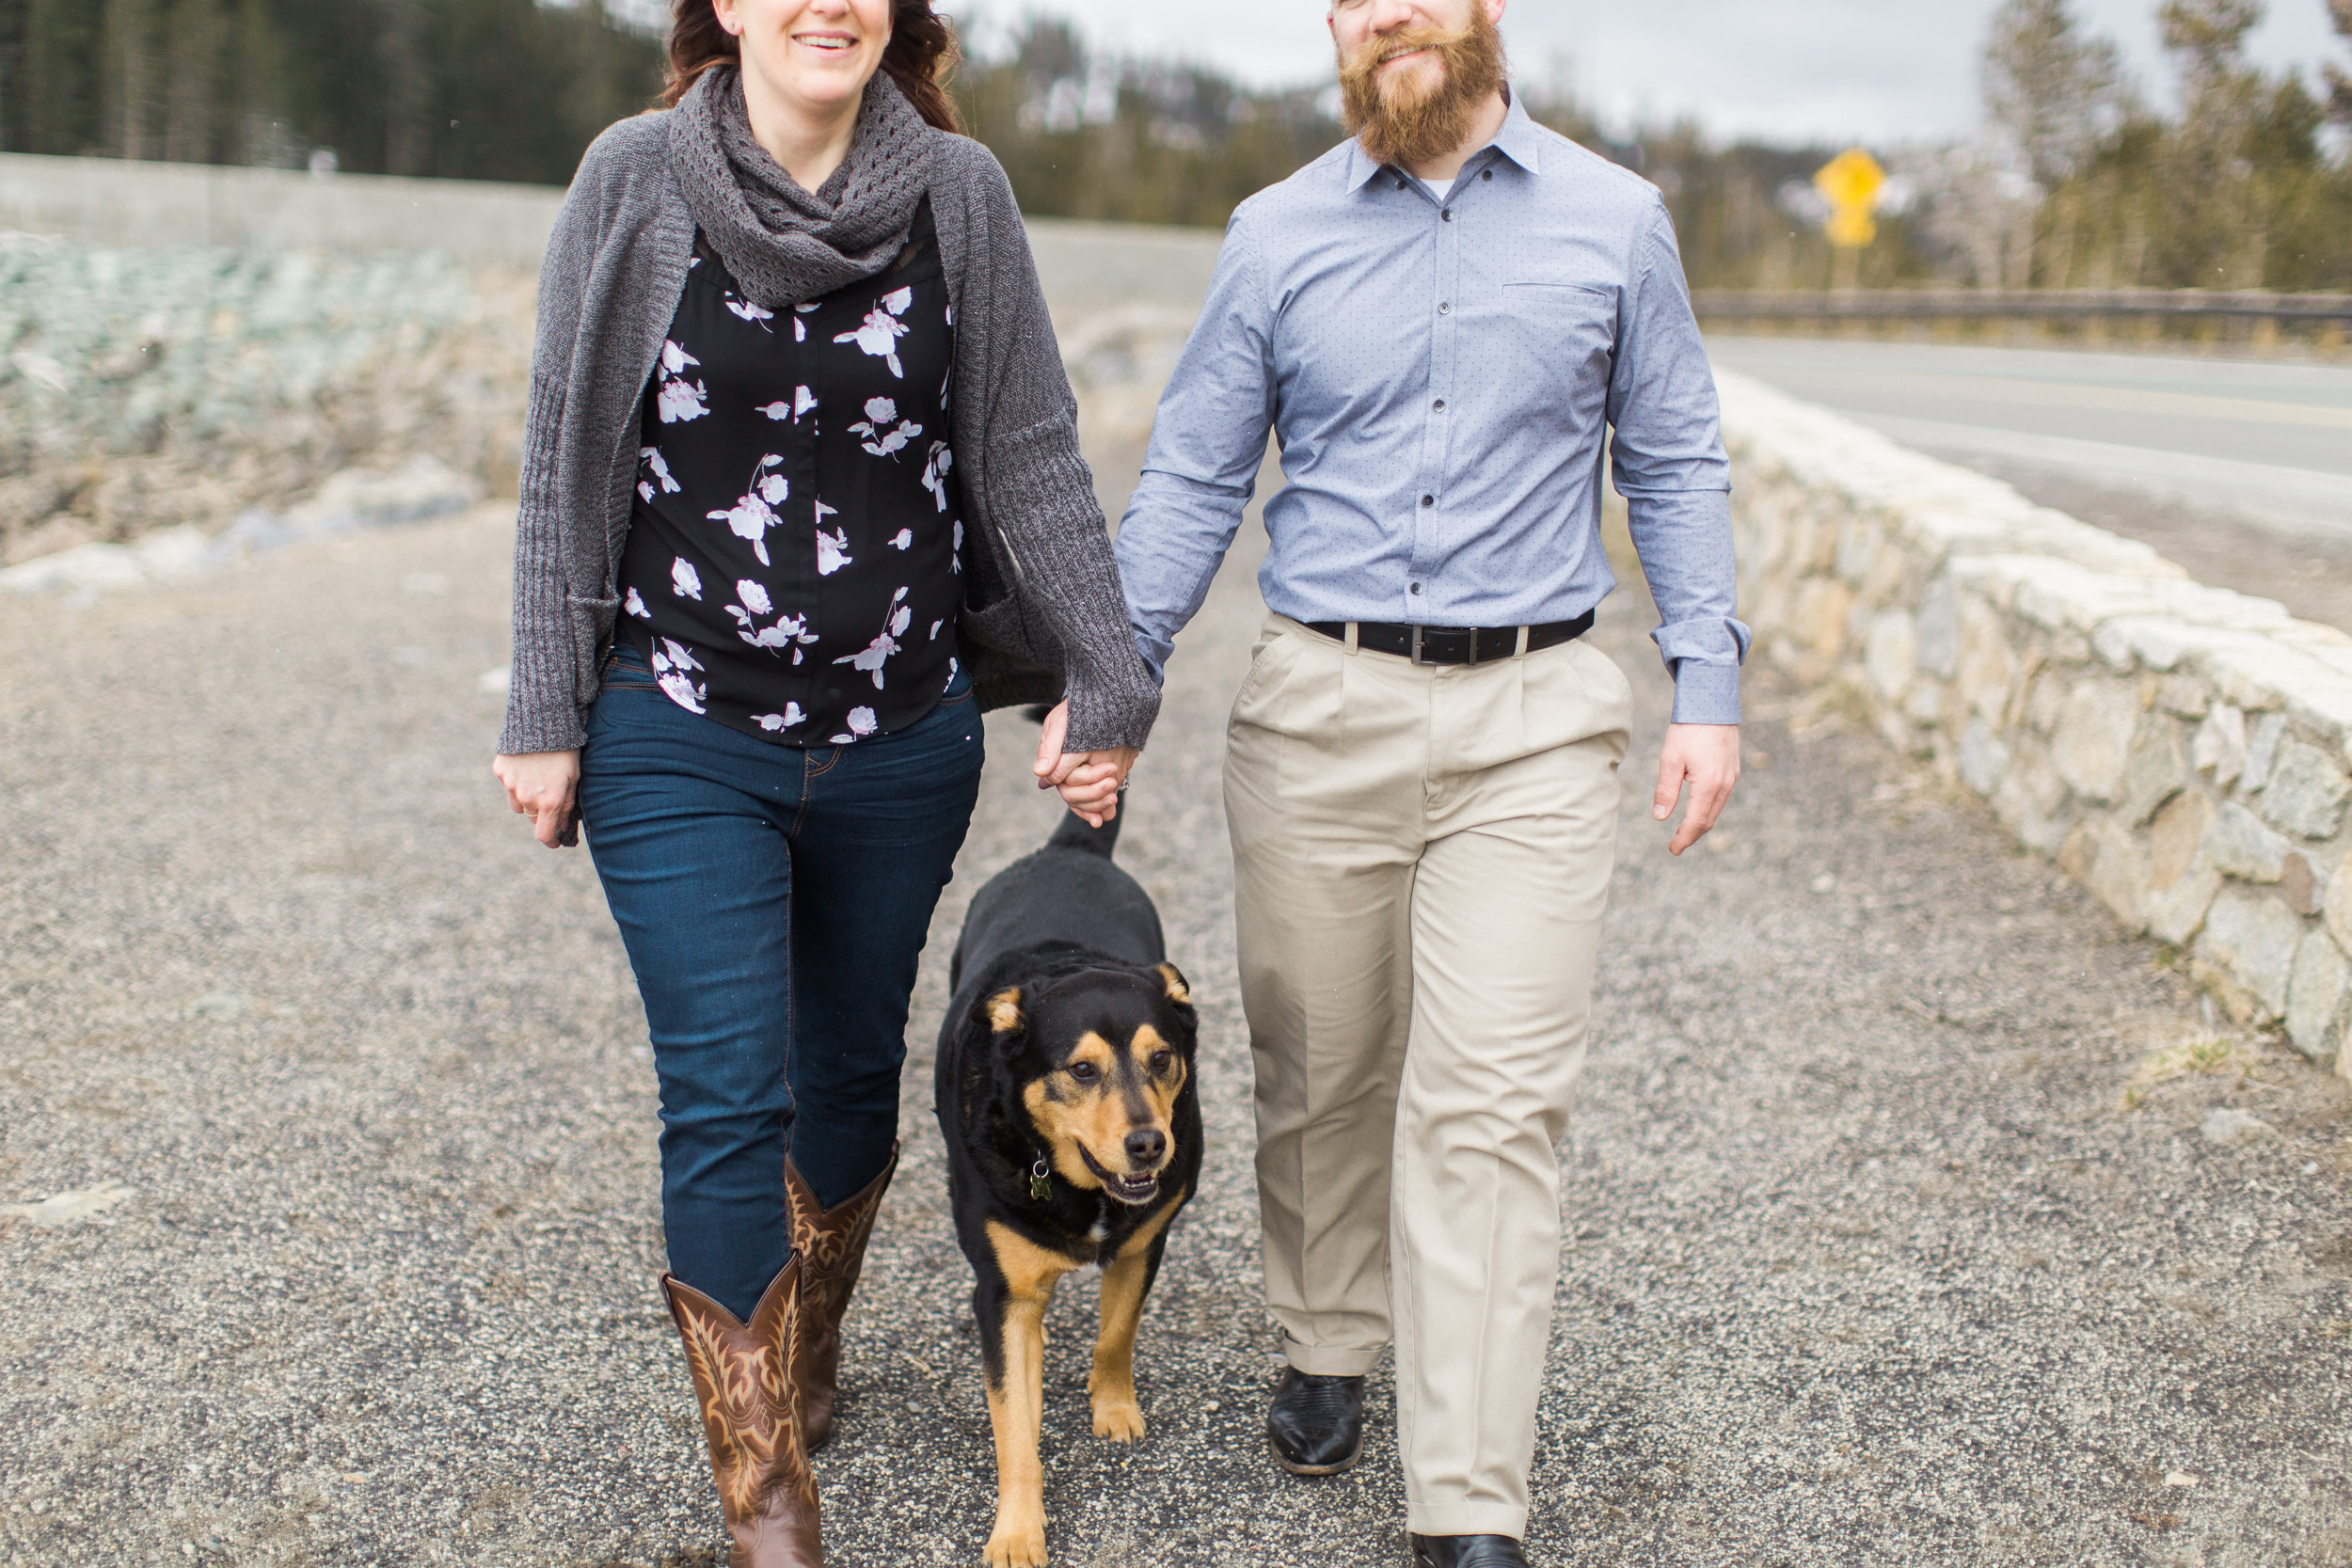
830, 1245
744, 1378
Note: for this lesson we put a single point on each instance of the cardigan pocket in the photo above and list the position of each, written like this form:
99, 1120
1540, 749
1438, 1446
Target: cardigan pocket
591, 624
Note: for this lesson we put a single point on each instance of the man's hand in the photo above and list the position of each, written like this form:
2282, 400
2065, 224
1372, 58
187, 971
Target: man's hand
543, 787
1090, 782
1709, 756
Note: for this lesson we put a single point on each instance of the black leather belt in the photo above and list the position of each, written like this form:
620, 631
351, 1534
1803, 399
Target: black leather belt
1452, 645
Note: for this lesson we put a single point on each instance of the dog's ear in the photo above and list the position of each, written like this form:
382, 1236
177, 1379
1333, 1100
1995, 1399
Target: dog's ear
1004, 1011
1180, 997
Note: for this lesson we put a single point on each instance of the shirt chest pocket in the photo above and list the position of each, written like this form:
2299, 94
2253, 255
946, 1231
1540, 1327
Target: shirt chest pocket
1563, 337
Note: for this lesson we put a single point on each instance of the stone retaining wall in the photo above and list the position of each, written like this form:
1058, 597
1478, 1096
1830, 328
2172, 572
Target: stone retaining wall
2181, 749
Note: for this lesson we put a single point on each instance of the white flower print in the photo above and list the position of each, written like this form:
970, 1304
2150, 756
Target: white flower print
800, 327
635, 604
787, 630
833, 549
785, 721
880, 333
879, 651
935, 468
659, 466
749, 311
803, 401
879, 441
753, 512
679, 399
862, 722
674, 665
934, 636
903, 539
684, 580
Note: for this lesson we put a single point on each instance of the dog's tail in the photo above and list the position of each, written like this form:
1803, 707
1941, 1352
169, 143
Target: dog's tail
1073, 833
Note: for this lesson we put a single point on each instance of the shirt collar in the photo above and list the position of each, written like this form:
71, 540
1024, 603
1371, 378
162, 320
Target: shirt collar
1519, 140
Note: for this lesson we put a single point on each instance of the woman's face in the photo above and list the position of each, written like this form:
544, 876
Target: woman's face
816, 53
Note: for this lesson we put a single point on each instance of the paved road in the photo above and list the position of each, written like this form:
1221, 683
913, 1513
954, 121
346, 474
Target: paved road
2240, 470
1870, 1263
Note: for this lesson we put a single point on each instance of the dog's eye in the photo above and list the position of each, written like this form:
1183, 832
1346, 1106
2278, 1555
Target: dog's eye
1084, 1072
1160, 1060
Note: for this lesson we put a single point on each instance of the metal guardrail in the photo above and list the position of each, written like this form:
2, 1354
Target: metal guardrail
1991, 304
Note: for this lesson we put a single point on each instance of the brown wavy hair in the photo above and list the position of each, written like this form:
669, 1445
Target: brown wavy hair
921, 56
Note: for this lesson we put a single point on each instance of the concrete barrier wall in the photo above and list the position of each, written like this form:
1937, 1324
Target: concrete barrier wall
2179, 748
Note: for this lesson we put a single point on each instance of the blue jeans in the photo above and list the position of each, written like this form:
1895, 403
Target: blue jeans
774, 902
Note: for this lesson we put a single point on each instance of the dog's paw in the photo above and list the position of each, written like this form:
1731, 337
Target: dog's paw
1016, 1544
1119, 1418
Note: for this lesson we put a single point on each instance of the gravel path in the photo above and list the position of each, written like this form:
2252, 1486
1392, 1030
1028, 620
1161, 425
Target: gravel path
1880, 1255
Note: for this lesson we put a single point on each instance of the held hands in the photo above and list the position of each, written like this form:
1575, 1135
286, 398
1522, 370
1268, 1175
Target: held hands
1708, 755
543, 787
1090, 782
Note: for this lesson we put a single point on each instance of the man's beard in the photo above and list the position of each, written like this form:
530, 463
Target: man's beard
1401, 125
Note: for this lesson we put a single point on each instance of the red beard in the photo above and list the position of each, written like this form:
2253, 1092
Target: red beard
1402, 123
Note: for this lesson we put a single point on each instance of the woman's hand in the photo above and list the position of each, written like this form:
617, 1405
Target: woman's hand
1090, 782
542, 785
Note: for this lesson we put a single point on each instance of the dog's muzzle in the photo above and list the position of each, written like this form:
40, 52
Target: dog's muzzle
1135, 1189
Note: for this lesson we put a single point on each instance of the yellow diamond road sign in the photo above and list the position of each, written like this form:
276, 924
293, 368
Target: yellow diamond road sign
1851, 183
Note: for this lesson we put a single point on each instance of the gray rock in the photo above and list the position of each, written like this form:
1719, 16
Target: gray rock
2220, 745
2229, 1125
2263, 736
2093, 743
1983, 758
2306, 792
2254, 937
1938, 649
2318, 997
2242, 847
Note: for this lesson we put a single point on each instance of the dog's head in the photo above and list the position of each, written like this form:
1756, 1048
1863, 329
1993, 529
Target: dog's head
1096, 1059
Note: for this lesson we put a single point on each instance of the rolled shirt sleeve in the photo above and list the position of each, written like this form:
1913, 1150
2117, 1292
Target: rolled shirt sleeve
1208, 439
1667, 460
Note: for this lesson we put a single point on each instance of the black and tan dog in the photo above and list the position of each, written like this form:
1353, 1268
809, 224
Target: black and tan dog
1073, 1125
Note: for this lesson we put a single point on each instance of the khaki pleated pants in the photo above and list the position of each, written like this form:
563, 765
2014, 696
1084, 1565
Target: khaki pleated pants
1422, 857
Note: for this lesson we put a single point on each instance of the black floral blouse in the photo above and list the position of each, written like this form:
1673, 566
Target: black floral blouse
793, 555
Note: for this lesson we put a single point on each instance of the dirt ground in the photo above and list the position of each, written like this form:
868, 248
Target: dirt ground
1897, 1233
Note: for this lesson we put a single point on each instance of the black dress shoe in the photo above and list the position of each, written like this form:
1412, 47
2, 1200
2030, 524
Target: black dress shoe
1466, 1551
1317, 1423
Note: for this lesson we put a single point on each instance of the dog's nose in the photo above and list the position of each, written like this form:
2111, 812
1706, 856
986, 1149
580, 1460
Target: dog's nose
1146, 1145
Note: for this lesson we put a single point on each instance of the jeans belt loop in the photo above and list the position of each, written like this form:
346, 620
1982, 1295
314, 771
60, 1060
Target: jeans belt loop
1351, 637
1520, 651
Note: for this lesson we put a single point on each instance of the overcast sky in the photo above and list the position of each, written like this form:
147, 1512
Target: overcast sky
1873, 71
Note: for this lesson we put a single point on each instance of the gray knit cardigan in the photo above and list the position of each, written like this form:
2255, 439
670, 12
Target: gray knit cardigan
1044, 615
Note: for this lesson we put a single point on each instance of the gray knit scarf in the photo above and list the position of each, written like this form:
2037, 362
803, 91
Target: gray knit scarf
785, 246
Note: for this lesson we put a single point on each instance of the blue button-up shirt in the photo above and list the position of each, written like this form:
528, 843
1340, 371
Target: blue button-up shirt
1441, 374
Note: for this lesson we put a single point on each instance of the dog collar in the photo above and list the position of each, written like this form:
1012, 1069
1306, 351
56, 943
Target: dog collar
1042, 1180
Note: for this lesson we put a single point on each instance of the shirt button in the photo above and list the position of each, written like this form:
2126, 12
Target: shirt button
1445, 307
1416, 588
1440, 405
1429, 500
1488, 175
1447, 215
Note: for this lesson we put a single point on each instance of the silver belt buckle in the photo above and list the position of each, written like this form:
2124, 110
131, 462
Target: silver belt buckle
1417, 658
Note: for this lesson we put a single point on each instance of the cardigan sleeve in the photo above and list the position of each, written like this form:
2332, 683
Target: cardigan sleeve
1039, 493
541, 701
